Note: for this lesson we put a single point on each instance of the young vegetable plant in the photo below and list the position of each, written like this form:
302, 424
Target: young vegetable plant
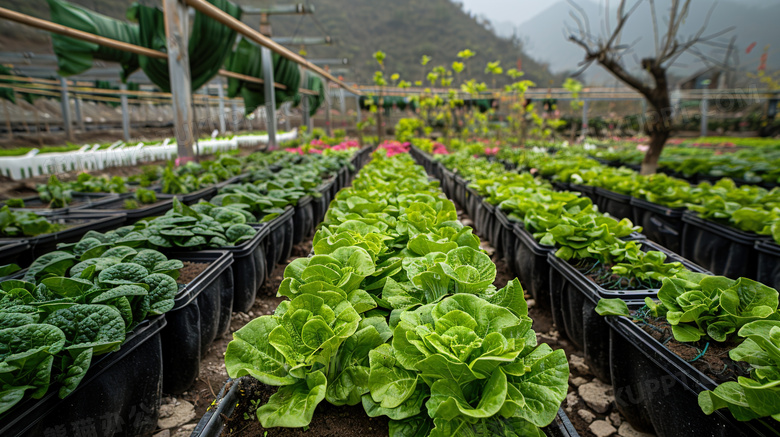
72, 305
391, 253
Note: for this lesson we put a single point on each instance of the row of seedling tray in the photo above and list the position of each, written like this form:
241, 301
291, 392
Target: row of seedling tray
655, 389
121, 393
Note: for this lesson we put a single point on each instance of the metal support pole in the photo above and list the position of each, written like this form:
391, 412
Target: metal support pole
125, 113
342, 102
585, 105
176, 22
8, 118
65, 100
705, 108
270, 96
328, 109
79, 114
287, 115
306, 117
221, 94
357, 105
234, 115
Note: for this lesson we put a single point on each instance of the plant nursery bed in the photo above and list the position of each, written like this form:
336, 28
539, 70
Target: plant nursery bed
328, 421
710, 358
190, 271
656, 389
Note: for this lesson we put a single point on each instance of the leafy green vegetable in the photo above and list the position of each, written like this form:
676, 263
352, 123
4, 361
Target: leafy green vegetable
757, 396
55, 193
463, 349
24, 224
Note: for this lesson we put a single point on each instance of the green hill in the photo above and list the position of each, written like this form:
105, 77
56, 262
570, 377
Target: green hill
404, 29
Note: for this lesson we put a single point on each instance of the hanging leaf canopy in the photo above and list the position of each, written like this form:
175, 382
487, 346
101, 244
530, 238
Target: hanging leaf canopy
247, 60
75, 56
210, 47
8, 93
314, 83
209, 44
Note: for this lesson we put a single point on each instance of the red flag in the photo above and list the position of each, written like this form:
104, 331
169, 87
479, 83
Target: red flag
751, 47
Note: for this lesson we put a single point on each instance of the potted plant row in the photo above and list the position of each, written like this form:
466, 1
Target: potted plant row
702, 365
390, 254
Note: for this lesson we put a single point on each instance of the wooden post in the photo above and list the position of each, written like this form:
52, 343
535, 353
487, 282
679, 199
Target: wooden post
328, 110
176, 23
221, 94
65, 101
125, 113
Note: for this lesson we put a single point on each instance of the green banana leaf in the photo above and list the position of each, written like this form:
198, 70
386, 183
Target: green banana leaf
209, 44
8, 93
247, 60
75, 56
314, 83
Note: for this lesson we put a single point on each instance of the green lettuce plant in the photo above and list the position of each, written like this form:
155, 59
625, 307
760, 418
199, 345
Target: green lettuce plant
16, 224
756, 396
478, 366
697, 305
315, 346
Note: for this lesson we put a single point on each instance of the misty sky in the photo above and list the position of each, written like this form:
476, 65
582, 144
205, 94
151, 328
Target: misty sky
516, 11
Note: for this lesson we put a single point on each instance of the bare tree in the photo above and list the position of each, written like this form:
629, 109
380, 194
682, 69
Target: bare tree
609, 51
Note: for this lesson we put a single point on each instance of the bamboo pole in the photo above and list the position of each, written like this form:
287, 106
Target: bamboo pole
78, 34
228, 20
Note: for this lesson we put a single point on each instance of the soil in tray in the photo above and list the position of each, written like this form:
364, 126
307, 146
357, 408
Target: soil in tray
329, 420
602, 275
714, 362
190, 271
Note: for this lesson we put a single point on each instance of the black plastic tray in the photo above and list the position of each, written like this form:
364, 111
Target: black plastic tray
80, 225
303, 219
507, 236
213, 421
201, 313
249, 269
656, 391
768, 268
491, 228
279, 238
120, 395
719, 248
116, 206
196, 196
573, 299
531, 265
473, 199
616, 204
586, 190
660, 224
81, 201
460, 189
322, 203
9, 252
